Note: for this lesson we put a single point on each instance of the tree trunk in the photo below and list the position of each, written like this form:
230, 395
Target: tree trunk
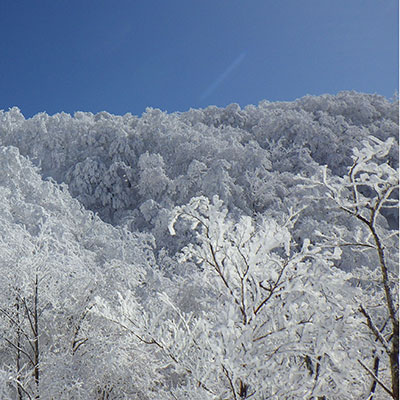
18, 360
394, 361
394, 353
374, 383
36, 337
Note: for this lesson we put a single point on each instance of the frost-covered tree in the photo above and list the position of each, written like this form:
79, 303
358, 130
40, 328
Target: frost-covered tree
55, 257
273, 322
369, 188
233, 143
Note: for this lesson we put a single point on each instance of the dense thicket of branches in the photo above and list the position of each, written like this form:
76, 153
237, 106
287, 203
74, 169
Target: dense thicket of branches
223, 253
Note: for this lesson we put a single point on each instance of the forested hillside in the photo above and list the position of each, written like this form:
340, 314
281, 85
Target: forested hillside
221, 253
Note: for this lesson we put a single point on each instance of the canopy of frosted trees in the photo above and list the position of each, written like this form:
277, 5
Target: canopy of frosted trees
221, 253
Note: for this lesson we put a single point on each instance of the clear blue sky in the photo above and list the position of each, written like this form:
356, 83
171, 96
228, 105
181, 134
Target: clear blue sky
124, 55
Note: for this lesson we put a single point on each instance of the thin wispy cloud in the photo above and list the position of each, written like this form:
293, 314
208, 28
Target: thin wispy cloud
223, 76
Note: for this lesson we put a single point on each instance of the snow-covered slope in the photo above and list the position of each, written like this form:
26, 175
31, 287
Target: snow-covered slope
202, 255
115, 164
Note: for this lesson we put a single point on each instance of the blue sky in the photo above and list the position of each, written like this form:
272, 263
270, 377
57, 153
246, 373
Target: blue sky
124, 55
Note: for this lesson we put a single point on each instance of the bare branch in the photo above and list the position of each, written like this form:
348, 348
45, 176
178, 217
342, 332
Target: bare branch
28, 314
78, 343
374, 329
221, 275
20, 349
280, 330
276, 284
230, 381
18, 325
353, 185
22, 388
377, 379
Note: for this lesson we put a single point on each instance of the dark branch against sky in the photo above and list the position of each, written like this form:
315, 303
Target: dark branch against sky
123, 55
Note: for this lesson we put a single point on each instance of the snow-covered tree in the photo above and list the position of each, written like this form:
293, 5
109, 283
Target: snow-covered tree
273, 322
55, 257
370, 188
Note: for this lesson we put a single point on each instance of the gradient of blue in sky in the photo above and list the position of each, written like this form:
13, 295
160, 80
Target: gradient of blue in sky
124, 55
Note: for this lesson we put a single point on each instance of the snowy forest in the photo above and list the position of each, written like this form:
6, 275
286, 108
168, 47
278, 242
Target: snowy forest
215, 254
